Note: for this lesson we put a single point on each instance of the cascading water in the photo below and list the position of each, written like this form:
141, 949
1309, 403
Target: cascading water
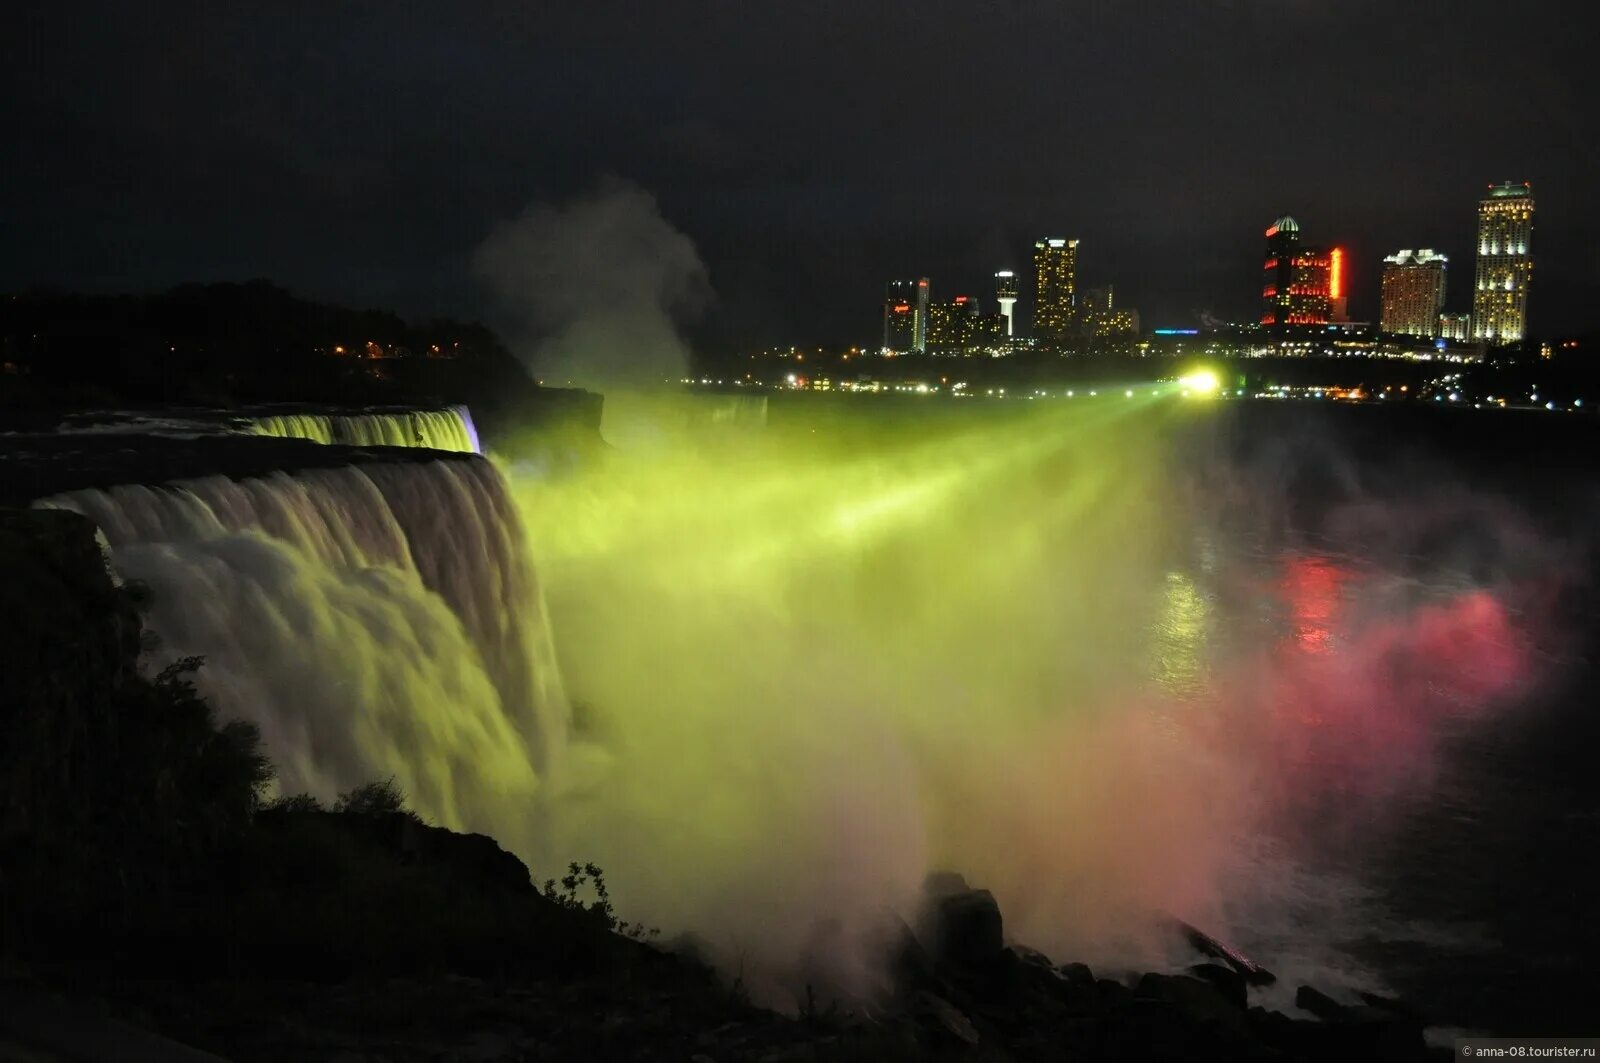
816, 664
381, 620
448, 429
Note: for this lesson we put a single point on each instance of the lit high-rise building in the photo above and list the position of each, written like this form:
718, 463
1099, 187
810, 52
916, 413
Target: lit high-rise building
960, 327
1413, 293
905, 316
952, 325
1099, 316
1005, 290
1500, 290
1055, 265
1456, 327
1299, 283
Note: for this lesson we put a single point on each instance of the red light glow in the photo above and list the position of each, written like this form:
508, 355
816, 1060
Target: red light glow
1336, 276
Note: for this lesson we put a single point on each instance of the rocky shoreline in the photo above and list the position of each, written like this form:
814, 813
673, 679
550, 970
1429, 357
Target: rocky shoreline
960, 992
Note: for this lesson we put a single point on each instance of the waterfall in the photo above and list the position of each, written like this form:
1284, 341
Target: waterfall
447, 429
450, 428
373, 621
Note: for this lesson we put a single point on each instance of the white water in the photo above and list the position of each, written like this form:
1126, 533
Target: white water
373, 621
444, 429
449, 429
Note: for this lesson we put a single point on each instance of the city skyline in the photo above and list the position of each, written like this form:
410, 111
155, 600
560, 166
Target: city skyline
144, 159
1304, 286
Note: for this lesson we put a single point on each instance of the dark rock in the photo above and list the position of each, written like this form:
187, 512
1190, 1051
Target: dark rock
1319, 1004
1113, 993
1201, 1002
1151, 986
1394, 1007
942, 884
1206, 945
945, 1016
966, 929
1378, 1034
1077, 975
910, 966
1033, 957
1225, 980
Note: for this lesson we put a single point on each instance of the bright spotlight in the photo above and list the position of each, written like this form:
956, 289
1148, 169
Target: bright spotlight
1201, 382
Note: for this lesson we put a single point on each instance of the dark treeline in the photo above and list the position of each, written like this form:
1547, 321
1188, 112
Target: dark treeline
228, 345
219, 344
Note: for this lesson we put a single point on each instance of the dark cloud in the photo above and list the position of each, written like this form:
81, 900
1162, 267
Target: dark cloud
810, 151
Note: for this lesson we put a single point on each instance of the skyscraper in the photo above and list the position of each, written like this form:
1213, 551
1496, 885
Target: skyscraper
1298, 282
1055, 265
905, 316
1500, 291
1099, 316
1413, 293
953, 325
1005, 290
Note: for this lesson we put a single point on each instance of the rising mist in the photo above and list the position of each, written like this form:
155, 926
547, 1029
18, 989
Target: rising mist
1035, 647
593, 290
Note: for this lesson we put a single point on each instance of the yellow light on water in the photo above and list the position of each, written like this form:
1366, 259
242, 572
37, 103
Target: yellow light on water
1201, 382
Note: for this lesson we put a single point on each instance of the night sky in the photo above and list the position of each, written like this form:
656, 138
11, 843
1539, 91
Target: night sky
360, 151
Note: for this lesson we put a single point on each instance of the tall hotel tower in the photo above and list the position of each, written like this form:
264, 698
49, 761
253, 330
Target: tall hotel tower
905, 316
1055, 266
1005, 290
1500, 295
1413, 293
1300, 285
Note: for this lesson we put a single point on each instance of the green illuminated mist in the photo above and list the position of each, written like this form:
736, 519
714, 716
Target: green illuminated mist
810, 664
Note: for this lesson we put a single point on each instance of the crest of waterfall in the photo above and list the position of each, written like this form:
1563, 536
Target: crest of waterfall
450, 428
447, 429
374, 621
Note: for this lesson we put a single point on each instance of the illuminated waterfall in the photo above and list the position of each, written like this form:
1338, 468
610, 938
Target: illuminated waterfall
373, 621
447, 429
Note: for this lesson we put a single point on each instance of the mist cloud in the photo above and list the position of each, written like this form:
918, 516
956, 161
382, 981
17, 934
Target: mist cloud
594, 289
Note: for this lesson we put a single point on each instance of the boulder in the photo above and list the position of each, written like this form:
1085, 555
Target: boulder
1206, 945
1319, 1004
1198, 1001
944, 1016
1392, 1006
1113, 993
965, 929
943, 884
910, 966
1225, 980
1033, 957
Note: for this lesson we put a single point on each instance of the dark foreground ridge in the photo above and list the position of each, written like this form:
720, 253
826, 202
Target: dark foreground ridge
153, 907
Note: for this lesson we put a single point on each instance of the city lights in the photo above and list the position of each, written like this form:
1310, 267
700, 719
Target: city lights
1201, 381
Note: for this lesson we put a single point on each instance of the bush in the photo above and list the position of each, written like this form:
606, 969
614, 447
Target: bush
374, 798
600, 908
